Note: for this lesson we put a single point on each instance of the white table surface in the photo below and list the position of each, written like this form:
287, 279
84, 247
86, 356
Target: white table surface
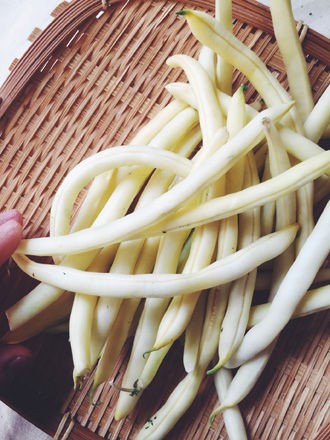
17, 20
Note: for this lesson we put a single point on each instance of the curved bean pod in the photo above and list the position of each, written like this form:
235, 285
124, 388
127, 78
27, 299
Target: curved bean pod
161, 285
284, 26
256, 195
319, 118
297, 281
212, 34
114, 157
125, 227
232, 416
314, 301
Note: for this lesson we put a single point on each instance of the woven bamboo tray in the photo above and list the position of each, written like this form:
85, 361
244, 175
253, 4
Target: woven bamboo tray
89, 81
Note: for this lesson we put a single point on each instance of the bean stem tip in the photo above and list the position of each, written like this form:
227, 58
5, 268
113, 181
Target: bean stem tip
182, 12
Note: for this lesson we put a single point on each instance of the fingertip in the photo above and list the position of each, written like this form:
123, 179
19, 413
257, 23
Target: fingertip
10, 236
18, 217
11, 230
11, 214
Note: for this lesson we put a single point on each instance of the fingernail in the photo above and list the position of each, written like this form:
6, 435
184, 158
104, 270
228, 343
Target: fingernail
10, 236
11, 214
